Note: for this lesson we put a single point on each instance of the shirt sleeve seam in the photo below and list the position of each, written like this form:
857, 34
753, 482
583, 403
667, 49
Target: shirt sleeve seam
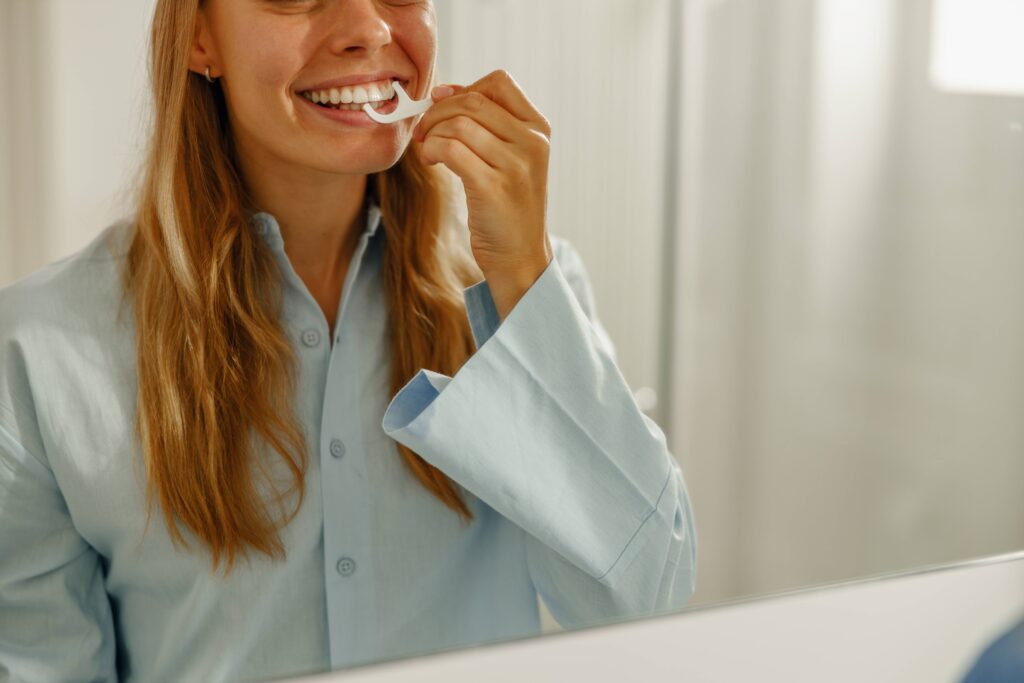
643, 522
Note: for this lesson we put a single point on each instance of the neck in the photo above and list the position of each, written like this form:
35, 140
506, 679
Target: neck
320, 219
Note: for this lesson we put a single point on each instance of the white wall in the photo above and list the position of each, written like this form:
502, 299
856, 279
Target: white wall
852, 336
98, 91
73, 108
25, 163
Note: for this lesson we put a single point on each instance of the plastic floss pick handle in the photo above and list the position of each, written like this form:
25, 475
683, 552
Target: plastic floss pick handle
406, 107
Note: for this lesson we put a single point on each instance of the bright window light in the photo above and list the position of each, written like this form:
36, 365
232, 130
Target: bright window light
978, 46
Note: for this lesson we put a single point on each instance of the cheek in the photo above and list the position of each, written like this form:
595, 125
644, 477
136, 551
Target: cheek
419, 40
266, 56
270, 67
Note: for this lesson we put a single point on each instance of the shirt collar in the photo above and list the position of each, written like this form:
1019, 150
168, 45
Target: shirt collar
266, 225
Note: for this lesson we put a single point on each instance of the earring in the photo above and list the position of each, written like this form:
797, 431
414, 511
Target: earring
208, 74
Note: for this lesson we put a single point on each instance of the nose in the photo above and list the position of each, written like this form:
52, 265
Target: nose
356, 26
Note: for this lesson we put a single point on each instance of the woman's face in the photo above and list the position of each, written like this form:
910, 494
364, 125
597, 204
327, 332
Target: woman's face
269, 52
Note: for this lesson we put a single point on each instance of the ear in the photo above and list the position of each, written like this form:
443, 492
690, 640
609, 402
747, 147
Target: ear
203, 53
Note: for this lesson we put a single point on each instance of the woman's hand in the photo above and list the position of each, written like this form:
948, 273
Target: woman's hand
492, 137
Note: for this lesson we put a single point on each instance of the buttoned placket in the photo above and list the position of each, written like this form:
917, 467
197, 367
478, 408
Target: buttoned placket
347, 561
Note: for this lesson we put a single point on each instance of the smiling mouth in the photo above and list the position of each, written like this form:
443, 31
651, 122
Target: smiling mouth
354, 98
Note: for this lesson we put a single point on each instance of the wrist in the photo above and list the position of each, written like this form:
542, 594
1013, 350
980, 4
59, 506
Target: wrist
509, 285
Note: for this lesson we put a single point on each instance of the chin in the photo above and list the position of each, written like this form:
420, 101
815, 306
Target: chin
383, 162
366, 164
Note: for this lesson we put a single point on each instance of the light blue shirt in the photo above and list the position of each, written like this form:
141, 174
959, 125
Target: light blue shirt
575, 494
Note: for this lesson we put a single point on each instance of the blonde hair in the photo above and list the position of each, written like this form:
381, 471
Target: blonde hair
206, 293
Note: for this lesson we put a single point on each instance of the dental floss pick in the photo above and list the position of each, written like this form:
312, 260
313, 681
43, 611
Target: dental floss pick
406, 107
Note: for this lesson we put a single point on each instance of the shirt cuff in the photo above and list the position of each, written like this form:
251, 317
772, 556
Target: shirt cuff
426, 385
540, 425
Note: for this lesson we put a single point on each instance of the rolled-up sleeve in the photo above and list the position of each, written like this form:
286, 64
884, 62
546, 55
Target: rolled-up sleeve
541, 425
55, 617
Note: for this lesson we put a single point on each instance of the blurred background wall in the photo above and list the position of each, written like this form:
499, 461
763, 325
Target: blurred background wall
808, 253
850, 333
72, 106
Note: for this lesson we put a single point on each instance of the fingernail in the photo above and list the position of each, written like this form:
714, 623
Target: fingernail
442, 91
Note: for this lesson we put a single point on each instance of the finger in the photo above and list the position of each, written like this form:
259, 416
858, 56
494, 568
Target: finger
503, 89
454, 154
496, 153
496, 119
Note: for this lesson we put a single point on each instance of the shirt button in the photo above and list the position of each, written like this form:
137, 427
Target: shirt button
310, 337
346, 566
337, 448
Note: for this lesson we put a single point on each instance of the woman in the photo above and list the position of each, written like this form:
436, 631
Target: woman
290, 274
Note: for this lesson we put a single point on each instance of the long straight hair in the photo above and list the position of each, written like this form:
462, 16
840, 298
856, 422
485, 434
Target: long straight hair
216, 370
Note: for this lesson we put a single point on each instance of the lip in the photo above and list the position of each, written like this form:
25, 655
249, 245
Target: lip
358, 79
358, 119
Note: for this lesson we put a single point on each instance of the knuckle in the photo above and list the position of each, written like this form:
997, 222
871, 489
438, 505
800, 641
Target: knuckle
474, 101
462, 123
537, 145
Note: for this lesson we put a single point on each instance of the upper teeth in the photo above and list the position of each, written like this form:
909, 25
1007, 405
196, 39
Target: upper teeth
357, 94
